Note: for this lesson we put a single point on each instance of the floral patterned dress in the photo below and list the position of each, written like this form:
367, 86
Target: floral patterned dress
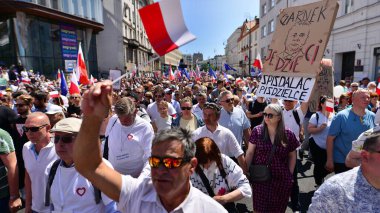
273, 195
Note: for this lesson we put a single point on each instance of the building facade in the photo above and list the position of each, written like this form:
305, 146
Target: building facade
197, 57
354, 44
44, 35
188, 61
124, 44
232, 51
248, 45
172, 58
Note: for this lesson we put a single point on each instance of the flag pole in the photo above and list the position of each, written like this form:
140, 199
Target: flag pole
138, 68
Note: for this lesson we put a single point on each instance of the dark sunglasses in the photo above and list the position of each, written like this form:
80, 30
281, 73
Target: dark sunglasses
33, 128
268, 115
168, 162
186, 108
229, 100
65, 139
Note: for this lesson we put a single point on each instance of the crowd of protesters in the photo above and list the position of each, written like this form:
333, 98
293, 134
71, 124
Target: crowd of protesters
138, 148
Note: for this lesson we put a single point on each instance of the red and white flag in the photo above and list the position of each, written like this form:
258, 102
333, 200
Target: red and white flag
74, 87
329, 106
171, 74
54, 94
258, 63
26, 80
81, 68
378, 86
164, 25
2, 93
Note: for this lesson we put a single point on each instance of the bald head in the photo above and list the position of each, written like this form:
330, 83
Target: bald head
39, 118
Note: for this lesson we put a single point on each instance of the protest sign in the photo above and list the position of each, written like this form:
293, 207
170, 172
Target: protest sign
300, 39
114, 74
324, 85
286, 87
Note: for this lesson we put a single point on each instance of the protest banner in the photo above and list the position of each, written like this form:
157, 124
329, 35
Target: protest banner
324, 85
297, 47
115, 74
286, 87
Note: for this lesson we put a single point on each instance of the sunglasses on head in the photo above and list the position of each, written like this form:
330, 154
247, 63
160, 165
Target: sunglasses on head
168, 162
268, 115
186, 108
64, 139
33, 128
229, 100
209, 105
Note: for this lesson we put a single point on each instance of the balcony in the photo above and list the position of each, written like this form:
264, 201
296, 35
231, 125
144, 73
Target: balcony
133, 43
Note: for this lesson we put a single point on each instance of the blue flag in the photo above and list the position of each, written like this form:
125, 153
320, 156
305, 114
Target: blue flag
185, 73
63, 84
212, 73
226, 77
228, 67
253, 71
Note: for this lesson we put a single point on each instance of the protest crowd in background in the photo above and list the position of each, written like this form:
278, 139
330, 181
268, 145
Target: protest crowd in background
222, 113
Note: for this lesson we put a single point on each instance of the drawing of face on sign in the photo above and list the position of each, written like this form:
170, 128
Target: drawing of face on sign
295, 41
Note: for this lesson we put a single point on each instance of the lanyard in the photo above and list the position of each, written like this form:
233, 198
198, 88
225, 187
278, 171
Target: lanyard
73, 181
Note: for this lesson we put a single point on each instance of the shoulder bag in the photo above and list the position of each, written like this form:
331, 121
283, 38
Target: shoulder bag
262, 173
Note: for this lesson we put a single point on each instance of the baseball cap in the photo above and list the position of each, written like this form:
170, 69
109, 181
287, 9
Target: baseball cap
53, 109
67, 125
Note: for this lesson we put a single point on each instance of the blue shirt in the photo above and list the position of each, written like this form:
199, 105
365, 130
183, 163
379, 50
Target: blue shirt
346, 127
346, 192
236, 121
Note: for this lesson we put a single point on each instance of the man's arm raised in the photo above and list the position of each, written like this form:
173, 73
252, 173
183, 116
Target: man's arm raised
87, 153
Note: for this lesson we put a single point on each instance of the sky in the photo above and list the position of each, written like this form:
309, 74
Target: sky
213, 21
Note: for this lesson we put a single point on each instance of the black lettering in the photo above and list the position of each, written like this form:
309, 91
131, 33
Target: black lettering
299, 84
274, 91
321, 13
284, 19
279, 91
304, 88
261, 89
302, 96
312, 15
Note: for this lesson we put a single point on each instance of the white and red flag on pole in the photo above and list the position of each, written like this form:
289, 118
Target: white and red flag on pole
164, 25
81, 68
329, 106
171, 74
378, 86
258, 63
74, 87
54, 94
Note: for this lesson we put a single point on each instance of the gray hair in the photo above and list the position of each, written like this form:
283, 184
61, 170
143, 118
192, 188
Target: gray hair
181, 135
280, 132
223, 94
125, 106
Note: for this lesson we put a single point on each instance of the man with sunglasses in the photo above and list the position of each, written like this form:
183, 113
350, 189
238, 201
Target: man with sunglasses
68, 191
158, 97
222, 136
37, 153
234, 118
172, 162
357, 190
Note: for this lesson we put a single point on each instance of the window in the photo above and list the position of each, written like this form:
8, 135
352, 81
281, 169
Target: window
127, 12
263, 31
271, 26
348, 6
263, 52
264, 9
272, 3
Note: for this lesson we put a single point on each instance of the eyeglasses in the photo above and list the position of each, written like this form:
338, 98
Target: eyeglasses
20, 105
74, 97
268, 115
186, 108
65, 139
228, 100
168, 162
33, 128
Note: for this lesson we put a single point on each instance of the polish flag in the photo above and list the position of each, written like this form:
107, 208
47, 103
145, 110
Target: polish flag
164, 25
378, 86
258, 63
26, 80
171, 74
81, 67
2, 93
92, 80
54, 94
74, 88
329, 106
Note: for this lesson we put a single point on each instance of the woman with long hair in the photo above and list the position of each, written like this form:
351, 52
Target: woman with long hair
224, 177
271, 136
319, 125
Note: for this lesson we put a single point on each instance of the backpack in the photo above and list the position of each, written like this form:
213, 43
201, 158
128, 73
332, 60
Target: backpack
51, 176
298, 121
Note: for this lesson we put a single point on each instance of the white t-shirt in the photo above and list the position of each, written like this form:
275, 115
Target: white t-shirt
197, 111
35, 165
153, 112
223, 137
139, 195
291, 123
163, 123
320, 137
71, 192
129, 146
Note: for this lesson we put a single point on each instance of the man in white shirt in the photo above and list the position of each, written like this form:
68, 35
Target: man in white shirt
222, 136
172, 163
158, 97
129, 139
198, 108
67, 191
37, 153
